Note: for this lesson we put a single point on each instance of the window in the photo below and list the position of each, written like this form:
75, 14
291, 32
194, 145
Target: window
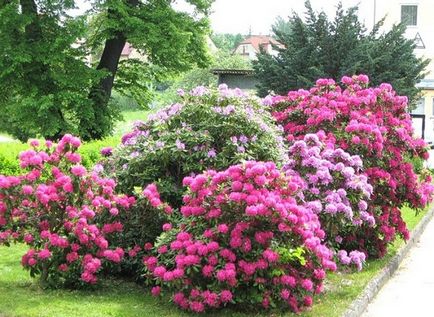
409, 14
420, 107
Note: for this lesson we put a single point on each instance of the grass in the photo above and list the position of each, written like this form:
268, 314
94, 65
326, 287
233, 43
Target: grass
129, 117
20, 295
121, 127
90, 151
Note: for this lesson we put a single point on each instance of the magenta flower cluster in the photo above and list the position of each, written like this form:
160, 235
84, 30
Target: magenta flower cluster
373, 123
55, 208
242, 232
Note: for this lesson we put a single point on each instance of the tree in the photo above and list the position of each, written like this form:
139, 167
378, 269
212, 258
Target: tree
319, 47
281, 25
226, 41
204, 76
49, 89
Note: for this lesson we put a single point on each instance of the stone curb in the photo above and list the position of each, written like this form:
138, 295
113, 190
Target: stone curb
359, 305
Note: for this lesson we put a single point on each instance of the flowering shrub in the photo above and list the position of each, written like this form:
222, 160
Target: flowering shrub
335, 188
55, 207
243, 239
207, 129
374, 124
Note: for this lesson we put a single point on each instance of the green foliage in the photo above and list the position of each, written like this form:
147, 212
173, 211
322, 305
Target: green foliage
48, 88
282, 26
207, 129
417, 163
125, 103
42, 74
135, 81
204, 76
89, 151
289, 255
9, 151
226, 41
317, 47
129, 117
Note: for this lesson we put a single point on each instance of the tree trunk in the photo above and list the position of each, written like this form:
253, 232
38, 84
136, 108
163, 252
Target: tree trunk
100, 94
109, 62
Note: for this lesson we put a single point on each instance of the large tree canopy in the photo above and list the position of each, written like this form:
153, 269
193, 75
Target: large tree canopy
49, 88
318, 47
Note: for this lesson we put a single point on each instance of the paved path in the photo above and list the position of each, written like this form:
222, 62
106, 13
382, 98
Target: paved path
430, 162
410, 292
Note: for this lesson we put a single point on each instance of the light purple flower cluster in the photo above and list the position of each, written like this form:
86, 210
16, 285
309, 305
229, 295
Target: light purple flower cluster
179, 145
166, 113
225, 111
226, 93
335, 187
199, 91
354, 257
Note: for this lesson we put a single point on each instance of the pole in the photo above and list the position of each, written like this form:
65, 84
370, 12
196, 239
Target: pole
375, 10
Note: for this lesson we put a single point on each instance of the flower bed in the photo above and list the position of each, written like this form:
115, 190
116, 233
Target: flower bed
204, 220
243, 239
55, 206
374, 124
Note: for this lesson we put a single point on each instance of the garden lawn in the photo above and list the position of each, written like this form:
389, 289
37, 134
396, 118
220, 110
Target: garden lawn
129, 117
90, 151
20, 296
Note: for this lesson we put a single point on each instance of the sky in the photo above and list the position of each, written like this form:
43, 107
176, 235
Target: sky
239, 16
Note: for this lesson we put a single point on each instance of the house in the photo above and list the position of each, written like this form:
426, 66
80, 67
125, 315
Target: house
248, 48
253, 44
129, 52
417, 15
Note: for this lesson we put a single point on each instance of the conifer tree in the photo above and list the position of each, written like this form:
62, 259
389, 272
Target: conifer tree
319, 47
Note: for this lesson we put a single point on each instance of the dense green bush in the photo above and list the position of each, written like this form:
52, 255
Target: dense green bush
9, 164
417, 162
90, 153
124, 103
208, 129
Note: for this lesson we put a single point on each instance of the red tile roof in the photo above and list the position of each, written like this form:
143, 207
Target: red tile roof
259, 40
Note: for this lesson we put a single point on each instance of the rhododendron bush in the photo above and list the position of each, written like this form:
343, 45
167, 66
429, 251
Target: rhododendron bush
56, 207
335, 188
243, 239
208, 128
374, 124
